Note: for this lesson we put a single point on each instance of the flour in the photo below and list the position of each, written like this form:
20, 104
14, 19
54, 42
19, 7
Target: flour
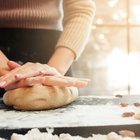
35, 134
99, 115
75, 115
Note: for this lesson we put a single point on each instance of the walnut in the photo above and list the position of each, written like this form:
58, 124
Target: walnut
124, 104
127, 133
119, 96
128, 114
137, 104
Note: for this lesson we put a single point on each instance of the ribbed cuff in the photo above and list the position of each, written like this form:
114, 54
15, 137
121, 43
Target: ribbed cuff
78, 25
75, 35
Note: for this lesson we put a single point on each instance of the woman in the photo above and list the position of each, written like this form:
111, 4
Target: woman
31, 31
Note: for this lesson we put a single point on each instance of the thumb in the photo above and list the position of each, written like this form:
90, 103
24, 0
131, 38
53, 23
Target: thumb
12, 64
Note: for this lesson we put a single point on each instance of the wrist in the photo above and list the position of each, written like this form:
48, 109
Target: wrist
3, 64
62, 59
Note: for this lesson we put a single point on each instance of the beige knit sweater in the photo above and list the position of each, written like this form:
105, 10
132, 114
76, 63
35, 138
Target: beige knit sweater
77, 16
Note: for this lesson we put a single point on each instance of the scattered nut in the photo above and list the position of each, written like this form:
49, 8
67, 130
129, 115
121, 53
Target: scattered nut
137, 104
127, 133
137, 116
124, 104
113, 136
128, 114
119, 96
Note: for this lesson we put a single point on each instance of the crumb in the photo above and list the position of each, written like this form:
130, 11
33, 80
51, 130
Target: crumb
119, 96
128, 114
127, 133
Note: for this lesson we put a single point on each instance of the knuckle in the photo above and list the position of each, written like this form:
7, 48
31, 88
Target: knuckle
54, 70
38, 67
19, 72
45, 65
43, 80
28, 63
38, 64
46, 78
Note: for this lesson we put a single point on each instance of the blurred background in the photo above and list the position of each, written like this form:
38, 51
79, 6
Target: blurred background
112, 55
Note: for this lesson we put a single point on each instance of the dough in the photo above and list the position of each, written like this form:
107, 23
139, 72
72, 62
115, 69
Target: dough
40, 97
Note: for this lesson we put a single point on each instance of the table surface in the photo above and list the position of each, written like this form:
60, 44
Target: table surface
86, 112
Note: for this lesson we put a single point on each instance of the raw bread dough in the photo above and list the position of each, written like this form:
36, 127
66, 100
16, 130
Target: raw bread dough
40, 97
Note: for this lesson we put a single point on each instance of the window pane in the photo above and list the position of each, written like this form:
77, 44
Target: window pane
102, 62
135, 11
110, 12
135, 60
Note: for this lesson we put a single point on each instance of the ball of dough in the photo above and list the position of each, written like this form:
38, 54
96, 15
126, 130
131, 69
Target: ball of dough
39, 97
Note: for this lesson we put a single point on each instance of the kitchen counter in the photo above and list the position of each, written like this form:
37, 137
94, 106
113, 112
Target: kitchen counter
87, 115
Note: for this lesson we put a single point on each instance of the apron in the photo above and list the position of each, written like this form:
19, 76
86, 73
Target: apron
28, 45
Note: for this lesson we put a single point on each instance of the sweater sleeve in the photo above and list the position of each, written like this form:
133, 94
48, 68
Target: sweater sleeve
78, 19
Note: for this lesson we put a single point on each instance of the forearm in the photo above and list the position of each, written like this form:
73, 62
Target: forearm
3, 64
62, 59
78, 19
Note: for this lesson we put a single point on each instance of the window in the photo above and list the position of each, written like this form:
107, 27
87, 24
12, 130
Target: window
112, 56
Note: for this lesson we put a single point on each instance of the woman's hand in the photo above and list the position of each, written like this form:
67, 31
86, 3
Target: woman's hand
61, 81
36, 73
25, 71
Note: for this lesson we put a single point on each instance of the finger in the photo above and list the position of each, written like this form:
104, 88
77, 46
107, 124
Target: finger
10, 77
13, 65
55, 81
77, 82
46, 80
18, 85
23, 83
10, 87
75, 79
59, 81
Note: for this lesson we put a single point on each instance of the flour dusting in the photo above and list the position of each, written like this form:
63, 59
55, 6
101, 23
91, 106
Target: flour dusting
35, 134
